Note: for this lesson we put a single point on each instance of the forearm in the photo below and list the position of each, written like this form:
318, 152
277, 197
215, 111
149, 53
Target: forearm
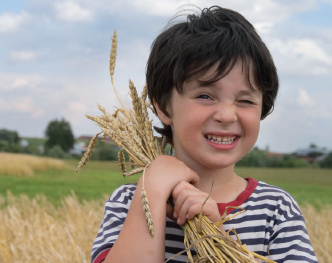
135, 244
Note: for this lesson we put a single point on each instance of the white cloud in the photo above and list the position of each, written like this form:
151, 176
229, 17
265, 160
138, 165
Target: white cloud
25, 105
263, 14
20, 83
71, 11
10, 81
301, 57
38, 113
264, 27
20, 56
10, 22
3, 105
304, 99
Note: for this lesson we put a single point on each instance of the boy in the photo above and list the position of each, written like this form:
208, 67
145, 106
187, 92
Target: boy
211, 80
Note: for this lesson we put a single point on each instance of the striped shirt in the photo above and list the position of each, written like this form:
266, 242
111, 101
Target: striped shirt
272, 225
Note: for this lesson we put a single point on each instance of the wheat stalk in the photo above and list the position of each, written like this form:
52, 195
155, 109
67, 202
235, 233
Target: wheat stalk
113, 54
146, 207
122, 163
88, 153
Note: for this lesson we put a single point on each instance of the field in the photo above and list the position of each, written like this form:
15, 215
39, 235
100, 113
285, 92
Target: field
54, 215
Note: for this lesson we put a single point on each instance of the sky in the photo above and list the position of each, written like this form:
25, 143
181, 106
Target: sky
54, 62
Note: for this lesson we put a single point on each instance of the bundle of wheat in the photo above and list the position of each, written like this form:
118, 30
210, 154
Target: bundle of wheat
131, 129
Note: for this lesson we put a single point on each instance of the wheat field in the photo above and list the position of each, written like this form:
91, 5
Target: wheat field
27, 165
33, 230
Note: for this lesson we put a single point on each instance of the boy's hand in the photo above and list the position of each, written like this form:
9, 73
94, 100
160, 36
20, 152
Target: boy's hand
165, 173
188, 201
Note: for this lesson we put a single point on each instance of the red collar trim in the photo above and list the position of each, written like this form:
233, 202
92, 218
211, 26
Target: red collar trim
241, 198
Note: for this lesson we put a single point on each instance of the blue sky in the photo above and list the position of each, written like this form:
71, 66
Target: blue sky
54, 61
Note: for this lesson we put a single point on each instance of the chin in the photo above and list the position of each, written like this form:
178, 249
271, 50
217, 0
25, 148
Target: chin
219, 164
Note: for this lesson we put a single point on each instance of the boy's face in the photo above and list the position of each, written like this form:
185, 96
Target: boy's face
215, 125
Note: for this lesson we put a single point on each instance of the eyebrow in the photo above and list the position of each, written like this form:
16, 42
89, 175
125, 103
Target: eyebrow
249, 92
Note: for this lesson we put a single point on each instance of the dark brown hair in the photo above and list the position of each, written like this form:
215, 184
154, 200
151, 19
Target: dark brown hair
186, 50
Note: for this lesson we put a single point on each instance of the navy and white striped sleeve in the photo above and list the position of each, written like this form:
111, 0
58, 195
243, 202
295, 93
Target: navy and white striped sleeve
116, 209
289, 240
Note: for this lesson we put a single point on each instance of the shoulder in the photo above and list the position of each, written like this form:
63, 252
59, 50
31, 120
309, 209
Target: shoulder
116, 209
120, 199
123, 194
276, 199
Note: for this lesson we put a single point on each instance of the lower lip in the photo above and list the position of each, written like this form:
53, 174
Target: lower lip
224, 147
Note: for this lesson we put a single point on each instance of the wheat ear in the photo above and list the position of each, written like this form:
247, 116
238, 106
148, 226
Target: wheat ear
146, 207
132, 164
88, 152
122, 163
113, 54
135, 171
144, 93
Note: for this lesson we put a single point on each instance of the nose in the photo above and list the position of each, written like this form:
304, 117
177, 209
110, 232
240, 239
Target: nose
225, 114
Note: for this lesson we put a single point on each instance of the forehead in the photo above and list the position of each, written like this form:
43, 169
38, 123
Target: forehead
237, 72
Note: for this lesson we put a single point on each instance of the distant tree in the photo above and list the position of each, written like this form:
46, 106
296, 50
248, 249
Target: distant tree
9, 141
255, 158
59, 133
312, 145
9, 136
296, 163
327, 163
104, 151
57, 152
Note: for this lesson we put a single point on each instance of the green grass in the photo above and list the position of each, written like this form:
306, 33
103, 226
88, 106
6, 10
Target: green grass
35, 141
95, 180
98, 179
306, 185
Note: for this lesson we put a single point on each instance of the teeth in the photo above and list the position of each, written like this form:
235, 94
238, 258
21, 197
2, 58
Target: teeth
221, 140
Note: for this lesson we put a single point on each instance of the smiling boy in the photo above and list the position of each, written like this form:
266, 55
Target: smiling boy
211, 80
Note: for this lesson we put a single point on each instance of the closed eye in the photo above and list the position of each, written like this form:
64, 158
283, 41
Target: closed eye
247, 101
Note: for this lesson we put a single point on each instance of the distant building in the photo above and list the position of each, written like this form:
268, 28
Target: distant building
24, 143
78, 149
41, 149
279, 155
82, 142
311, 154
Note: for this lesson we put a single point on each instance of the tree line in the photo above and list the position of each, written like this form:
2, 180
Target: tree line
261, 158
60, 140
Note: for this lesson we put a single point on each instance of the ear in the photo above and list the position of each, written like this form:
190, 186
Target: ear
161, 115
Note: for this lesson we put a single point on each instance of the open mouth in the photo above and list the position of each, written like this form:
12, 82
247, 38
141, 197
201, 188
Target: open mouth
221, 140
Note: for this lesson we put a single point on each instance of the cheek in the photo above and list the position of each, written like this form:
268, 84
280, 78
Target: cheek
251, 123
189, 124
252, 128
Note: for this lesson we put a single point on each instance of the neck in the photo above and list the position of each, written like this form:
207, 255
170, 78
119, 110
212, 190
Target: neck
222, 176
227, 185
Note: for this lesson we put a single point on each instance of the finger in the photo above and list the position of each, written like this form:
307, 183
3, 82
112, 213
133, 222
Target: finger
169, 212
192, 203
182, 196
193, 211
221, 227
180, 187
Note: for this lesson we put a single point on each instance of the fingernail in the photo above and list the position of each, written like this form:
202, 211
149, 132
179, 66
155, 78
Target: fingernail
187, 216
178, 222
175, 214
